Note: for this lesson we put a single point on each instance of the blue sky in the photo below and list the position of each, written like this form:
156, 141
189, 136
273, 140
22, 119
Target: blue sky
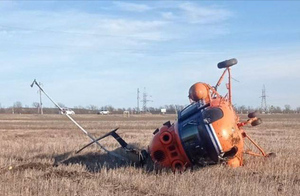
100, 52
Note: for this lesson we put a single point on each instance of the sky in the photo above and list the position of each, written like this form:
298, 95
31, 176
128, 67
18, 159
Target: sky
99, 52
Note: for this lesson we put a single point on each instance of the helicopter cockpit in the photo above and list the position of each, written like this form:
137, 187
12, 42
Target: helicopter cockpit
196, 133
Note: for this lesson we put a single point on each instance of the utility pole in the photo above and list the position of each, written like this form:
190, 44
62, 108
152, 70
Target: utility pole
41, 104
138, 101
264, 100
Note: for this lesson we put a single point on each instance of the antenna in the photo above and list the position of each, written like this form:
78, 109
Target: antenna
138, 101
145, 100
263, 100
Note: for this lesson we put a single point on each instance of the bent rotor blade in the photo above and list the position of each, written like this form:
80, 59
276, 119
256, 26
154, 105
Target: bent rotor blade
114, 135
102, 137
80, 127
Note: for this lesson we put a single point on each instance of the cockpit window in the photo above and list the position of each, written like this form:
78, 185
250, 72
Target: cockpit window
211, 115
191, 140
190, 110
189, 132
196, 139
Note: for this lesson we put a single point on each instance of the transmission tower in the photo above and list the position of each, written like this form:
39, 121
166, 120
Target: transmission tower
138, 101
145, 100
263, 100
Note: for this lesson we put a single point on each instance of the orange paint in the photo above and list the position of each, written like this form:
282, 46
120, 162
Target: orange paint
208, 130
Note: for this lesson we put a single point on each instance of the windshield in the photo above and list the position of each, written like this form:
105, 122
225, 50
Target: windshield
198, 144
195, 147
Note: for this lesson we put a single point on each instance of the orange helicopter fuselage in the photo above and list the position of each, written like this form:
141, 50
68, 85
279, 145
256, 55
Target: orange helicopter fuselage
198, 139
208, 131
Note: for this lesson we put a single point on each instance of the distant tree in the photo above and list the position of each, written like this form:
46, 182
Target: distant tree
250, 109
17, 107
118, 110
298, 110
80, 110
278, 110
242, 109
2, 109
178, 107
129, 109
272, 109
18, 104
150, 109
35, 104
79, 107
109, 108
170, 108
92, 107
287, 108
275, 109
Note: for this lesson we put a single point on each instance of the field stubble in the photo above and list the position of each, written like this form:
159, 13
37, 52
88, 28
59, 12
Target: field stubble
30, 145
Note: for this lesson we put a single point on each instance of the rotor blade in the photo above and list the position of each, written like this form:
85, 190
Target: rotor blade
104, 136
33, 83
81, 128
119, 139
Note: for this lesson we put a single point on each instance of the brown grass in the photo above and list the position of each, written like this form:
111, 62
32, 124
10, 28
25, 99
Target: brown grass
31, 144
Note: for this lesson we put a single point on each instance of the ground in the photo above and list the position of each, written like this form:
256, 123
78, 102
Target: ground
30, 145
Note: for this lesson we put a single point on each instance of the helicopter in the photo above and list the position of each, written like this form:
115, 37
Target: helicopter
207, 131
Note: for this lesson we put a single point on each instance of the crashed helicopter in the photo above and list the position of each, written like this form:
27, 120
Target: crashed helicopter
207, 131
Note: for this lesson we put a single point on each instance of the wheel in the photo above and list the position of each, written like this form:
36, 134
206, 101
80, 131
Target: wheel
256, 122
253, 114
227, 63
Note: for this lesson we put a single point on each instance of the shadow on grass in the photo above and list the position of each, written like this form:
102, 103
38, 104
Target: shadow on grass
95, 162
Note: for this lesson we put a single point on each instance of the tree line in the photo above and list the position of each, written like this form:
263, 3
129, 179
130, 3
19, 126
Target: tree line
19, 108
270, 109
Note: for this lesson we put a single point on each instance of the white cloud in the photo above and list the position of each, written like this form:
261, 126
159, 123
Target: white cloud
168, 15
76, 46
135, 29
133, 7
204, 15
85, 51
77, 32
271, 63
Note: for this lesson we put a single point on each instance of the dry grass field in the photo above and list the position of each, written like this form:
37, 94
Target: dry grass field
30, 145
